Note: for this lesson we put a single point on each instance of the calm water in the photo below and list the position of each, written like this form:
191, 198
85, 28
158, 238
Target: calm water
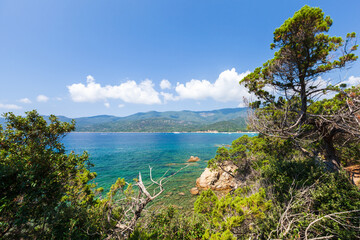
126, 154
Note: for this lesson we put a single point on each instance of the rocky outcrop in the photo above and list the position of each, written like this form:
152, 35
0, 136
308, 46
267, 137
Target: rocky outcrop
217, 179
193, 159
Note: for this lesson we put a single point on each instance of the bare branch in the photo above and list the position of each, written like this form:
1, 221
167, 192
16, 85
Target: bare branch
132, 205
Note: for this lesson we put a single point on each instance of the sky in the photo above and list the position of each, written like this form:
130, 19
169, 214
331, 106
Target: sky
119, 57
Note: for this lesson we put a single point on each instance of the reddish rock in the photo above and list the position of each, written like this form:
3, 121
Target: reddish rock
193, 159
194, 191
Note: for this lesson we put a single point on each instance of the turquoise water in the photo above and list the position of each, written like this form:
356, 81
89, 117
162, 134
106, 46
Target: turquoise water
126, 154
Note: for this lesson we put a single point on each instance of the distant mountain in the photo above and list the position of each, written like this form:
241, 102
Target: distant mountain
195, 116
227, 120
223, 120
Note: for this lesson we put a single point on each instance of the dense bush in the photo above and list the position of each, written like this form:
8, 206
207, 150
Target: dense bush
35, 176
170, 224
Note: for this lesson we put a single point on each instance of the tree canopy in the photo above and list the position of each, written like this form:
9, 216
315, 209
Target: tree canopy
288, 86
35, 173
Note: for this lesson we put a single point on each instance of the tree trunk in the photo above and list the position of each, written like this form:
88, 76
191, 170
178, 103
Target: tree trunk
303, 100
331, 159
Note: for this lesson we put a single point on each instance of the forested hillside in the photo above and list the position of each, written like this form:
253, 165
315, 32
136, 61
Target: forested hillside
172, 121
223, 120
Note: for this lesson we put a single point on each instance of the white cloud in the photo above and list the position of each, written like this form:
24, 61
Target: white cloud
169, 97
9, 106
25, 100
322, 83
352, 81
165, 84
42, 98
225, 88
121, 105
130, 92
319, 83
90, 79
107, 105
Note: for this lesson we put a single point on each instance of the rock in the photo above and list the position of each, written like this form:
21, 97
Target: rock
194, 191
217, 179
207, 178
193, 159
354, 174
181, 194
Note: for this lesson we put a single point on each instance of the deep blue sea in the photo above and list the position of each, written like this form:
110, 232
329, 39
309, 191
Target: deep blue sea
126, 154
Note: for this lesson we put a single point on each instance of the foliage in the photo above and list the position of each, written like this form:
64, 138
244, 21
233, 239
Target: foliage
36, 175
231, 215
344, 124
49, 194
170, 224
206, 202
290, 184
250, 153
309, 201
304, 53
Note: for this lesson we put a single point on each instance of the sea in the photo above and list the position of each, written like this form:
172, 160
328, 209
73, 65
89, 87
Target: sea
125, 155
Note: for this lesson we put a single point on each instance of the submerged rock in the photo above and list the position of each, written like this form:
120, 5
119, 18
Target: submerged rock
194, 191
217, 179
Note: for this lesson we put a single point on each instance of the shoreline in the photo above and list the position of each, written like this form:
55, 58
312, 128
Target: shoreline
175, 132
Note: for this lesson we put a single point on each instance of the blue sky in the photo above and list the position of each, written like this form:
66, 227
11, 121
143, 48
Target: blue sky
118, 57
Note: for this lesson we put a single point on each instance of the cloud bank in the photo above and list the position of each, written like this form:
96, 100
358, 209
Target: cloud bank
9, 106
225, 88
130, 92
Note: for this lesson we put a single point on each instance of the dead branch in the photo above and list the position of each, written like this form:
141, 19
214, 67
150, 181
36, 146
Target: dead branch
298, 209
336, 219
132, 205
